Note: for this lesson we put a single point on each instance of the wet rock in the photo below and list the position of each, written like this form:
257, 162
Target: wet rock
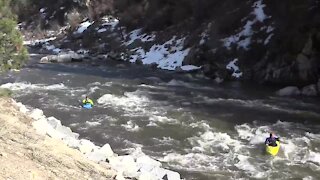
63, 58
289, 91
310, 90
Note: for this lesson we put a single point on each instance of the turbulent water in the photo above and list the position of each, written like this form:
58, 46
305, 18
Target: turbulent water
202, 130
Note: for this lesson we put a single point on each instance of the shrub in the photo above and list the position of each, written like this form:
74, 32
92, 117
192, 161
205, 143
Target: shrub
5, 92
12, 52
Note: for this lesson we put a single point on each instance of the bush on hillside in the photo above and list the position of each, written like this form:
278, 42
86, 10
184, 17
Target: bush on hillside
12, 52
5, 92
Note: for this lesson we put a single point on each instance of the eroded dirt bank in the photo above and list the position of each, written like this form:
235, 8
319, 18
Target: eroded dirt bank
27, 155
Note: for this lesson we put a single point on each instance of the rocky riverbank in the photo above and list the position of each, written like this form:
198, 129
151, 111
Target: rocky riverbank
24, 154
51, 150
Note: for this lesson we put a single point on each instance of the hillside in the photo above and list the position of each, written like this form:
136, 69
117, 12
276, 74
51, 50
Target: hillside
274, 42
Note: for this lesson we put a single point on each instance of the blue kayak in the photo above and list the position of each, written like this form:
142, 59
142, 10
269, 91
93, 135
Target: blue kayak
87, 106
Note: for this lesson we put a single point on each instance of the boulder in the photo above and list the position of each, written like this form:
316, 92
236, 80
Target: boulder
146, 176
310, 90
22, 108
66, 131
55, 134
36, 114
86, 146
71, 142
289, 91
96, 156
171, 175
130, 168
159, 173
101, 154
120, 177
106, 150
54, 122
41, 126
146, 164
63, 58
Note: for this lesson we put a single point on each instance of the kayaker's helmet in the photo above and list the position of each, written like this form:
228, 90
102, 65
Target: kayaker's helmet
271, 134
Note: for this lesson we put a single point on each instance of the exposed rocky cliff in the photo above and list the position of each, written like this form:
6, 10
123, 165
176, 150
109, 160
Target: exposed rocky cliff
268, 41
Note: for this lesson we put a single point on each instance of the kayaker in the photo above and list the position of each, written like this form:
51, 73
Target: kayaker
272, 140
87, 101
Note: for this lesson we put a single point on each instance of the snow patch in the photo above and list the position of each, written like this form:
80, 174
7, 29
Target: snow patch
243, 38
83, 26
136, 35
189, 68
110, 21
168, 56
233, 67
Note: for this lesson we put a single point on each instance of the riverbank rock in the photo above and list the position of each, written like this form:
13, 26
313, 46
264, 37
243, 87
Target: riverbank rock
86, 146
310, 90
289, 91
24, 154
63, 58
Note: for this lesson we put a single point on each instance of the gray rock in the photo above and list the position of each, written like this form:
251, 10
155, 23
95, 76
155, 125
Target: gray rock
54, 122
64, 130
37, 114
289, 91
146, 176
106, 150
71, 142
310, 90
171, 175
41, 126
62, 58
159, 173
86, 146
96, 156
55, 134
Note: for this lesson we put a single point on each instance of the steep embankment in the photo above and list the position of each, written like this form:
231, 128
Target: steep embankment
27, 155
269, 42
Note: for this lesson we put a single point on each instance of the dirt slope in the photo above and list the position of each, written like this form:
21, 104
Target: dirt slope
27, 155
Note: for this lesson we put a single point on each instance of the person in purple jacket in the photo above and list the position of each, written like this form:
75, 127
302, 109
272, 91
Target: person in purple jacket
271, 141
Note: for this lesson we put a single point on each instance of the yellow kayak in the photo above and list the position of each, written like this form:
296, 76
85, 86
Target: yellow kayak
273, 150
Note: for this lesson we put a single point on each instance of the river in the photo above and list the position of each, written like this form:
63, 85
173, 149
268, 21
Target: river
192, 125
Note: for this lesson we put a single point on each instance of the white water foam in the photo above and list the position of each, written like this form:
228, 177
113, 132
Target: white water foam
221, 151
131, 126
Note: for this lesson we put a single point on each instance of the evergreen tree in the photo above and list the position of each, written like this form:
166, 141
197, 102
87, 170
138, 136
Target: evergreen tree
12, 52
